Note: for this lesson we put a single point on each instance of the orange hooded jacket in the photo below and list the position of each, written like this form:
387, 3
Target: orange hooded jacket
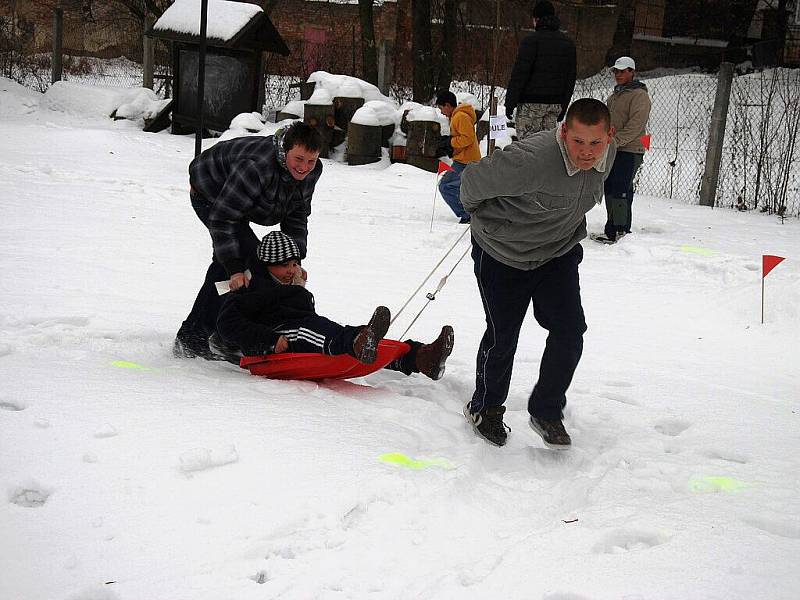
462, 134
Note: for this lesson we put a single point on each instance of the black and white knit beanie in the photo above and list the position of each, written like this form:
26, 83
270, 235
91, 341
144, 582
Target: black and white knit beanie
276, 247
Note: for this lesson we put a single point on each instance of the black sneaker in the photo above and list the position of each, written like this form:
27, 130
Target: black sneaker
553, 433
431, 357
488, 423
365, 346
602, 238
191, 344
223, 351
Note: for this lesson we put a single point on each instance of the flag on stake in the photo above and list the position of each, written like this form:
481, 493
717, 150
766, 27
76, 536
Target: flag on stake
645, 139
769, 262
443, 166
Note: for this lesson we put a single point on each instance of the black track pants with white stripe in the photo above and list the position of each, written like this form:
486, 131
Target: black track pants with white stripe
318, 334
506, 292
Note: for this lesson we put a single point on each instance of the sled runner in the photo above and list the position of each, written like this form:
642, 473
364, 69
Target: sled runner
314, 366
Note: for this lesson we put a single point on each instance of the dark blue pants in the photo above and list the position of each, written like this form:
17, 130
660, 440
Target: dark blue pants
506, 293
618, 190
318, 334
321, 335
203, 317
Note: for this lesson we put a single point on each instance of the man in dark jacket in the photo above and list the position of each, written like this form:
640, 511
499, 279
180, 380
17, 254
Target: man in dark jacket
543, 77
276, 314
254, 179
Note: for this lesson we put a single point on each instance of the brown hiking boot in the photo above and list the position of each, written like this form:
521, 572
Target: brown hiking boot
431, 357
365, 346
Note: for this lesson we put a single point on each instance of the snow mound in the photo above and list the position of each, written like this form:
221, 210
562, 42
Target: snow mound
95, 101
16, 99
345, 86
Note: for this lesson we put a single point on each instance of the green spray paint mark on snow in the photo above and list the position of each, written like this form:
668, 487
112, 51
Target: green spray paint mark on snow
401, 460
704, 485
698, 250
124, 364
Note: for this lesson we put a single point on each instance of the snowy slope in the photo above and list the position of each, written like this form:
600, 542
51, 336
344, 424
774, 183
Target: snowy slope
128, 474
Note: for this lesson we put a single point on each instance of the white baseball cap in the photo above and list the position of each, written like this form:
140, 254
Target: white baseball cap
624, 62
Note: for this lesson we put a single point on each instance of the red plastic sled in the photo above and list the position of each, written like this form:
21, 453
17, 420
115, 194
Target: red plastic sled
314, 366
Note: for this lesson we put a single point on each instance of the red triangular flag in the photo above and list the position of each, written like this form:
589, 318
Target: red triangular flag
769, 262
645, 139
443, 166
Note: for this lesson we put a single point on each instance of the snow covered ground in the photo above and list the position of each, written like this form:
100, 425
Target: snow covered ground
127, 474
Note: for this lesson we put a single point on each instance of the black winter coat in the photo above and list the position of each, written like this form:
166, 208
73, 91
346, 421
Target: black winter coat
545, 69
248, 317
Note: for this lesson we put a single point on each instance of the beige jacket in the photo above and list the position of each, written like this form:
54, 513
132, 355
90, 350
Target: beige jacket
630, 110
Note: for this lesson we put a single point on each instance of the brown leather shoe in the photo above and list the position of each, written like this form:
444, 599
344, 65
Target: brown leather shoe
365, 346
431, 357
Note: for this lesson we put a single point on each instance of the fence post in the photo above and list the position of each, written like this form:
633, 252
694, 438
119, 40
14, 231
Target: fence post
716, 135
58, 45
147, 54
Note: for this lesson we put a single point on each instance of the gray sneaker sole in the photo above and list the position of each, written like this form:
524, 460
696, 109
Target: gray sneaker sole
540, 433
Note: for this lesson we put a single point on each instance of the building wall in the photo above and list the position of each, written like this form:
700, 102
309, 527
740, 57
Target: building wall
327, 35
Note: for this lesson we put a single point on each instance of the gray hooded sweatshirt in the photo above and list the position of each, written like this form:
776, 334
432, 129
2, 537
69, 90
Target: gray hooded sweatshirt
528, 201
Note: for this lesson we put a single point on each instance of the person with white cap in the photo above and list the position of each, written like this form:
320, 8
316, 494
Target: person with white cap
629, 105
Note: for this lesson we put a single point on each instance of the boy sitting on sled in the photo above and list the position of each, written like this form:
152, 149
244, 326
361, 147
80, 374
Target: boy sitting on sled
276, 314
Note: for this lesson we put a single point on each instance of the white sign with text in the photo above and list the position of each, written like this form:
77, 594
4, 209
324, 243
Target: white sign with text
497, 127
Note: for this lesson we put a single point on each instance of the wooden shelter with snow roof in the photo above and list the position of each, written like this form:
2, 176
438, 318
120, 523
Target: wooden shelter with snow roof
237, 37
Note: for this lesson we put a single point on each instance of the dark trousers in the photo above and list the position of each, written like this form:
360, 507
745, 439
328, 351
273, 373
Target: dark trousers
618, 190
321, 335
318, 334
202, 319
506, 293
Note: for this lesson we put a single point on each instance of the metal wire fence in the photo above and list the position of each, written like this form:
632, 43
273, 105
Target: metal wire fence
760, 160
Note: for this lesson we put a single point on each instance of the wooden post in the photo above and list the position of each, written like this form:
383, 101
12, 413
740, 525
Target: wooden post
716, 136
58, 45
492, 113
201, 77
147, 54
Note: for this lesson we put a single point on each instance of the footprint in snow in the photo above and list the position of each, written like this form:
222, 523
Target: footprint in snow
628, 540
29, 495
12, 405
672, 427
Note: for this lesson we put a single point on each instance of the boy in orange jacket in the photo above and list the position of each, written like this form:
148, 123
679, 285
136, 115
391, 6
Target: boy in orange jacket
465, 149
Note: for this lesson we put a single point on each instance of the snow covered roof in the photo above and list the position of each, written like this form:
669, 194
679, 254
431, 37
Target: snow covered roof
229, 24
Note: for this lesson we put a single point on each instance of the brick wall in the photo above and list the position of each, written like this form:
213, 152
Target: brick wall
326, 36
